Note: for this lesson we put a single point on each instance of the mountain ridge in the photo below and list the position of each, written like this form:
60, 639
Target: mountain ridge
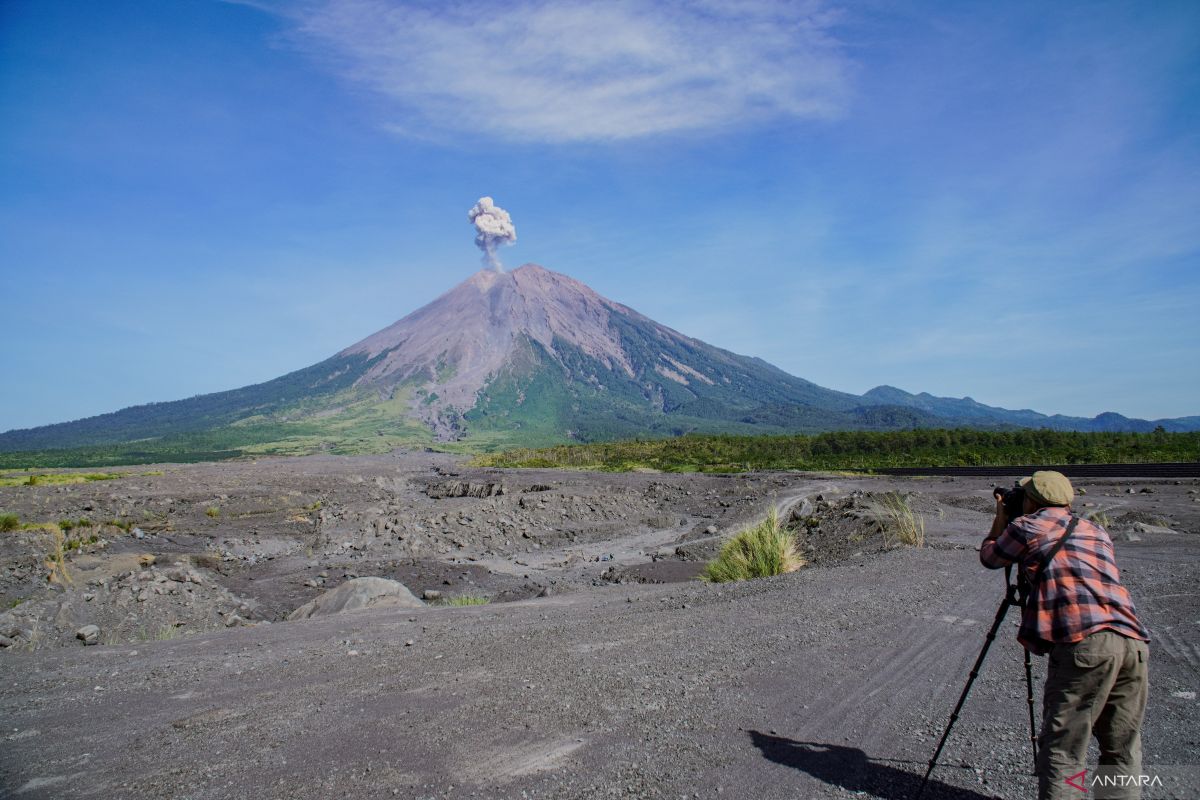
535, 355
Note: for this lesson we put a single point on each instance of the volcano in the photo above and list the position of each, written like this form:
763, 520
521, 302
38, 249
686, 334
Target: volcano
526, 357
535, 350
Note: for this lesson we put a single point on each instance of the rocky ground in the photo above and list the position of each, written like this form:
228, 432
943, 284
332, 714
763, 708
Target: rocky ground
599, 667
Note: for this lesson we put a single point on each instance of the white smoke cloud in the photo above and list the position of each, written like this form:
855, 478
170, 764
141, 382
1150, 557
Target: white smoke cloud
493, 228
581, 70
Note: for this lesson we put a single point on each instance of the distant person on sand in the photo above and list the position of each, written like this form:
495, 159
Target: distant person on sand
1079, 613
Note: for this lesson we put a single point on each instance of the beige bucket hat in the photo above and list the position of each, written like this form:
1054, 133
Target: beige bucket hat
1049, 488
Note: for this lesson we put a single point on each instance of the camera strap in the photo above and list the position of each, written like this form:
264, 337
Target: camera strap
1041, 573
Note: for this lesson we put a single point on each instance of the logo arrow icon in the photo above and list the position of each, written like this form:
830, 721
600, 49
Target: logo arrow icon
1078, 776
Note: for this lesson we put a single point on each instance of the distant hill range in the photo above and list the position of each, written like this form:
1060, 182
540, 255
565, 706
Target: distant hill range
530, 357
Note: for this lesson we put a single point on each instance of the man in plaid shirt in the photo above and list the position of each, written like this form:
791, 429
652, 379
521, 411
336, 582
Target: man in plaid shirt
1083, 618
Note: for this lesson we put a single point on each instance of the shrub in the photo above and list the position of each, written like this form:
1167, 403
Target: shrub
467, 600
213, 511
758, 552
9, 522
897, 521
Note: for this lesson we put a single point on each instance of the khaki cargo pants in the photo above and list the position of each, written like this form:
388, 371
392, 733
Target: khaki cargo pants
1095, 686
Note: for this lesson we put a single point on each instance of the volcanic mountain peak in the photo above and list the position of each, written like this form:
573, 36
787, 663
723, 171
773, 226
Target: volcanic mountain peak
455, 344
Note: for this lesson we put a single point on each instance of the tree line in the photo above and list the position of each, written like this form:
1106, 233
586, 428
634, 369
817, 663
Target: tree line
862, 450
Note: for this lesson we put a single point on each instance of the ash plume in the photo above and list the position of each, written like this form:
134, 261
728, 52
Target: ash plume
493, 227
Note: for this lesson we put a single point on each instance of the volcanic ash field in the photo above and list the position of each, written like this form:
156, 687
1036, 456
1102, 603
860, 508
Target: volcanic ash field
158, 660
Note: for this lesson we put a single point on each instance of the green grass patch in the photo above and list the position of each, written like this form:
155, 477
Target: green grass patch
761, 551
9, 522
48, 527
466, 600
57, 478
160, 634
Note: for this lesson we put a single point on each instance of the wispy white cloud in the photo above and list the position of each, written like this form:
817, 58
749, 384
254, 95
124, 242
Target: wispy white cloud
582, 71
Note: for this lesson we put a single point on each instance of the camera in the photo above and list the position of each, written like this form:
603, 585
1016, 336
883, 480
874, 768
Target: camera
1013, 499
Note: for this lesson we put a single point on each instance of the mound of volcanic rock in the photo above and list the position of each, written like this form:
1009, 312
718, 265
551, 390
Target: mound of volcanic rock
358, 593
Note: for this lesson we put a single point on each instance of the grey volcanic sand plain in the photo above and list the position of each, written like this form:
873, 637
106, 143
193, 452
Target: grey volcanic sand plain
583, 678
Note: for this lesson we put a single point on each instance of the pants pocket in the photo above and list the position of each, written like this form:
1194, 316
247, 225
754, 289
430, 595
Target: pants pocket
1091, 660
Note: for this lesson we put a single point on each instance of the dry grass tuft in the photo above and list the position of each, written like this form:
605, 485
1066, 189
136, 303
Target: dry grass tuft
56, 560
759, 552
896, 520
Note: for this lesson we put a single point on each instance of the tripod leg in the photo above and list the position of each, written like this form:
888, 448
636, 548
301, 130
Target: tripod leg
991, 636
1029, 699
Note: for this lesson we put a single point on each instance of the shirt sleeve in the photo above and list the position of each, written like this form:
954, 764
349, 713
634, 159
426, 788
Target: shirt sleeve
1007, 548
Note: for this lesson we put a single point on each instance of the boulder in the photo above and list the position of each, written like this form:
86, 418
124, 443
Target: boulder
88, 634
1142, 527
358, 593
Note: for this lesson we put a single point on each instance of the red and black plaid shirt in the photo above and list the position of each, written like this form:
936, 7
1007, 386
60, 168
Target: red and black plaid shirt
1081, 592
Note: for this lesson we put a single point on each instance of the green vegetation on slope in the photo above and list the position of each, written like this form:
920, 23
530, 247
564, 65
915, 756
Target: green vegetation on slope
55, 479
354, 423
861, 450
542, 399
286, 396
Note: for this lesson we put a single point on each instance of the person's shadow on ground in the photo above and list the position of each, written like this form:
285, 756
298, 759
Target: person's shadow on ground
854, 771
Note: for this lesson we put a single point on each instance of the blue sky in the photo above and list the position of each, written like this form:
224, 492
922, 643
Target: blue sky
999, 200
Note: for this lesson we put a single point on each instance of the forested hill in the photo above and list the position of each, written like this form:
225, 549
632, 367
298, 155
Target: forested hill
863, 450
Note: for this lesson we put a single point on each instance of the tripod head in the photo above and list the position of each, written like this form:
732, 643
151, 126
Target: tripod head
1016, 593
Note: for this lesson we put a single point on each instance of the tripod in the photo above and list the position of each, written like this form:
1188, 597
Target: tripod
1013, 596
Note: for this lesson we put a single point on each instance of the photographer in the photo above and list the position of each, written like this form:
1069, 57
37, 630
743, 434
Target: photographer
1079, 613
